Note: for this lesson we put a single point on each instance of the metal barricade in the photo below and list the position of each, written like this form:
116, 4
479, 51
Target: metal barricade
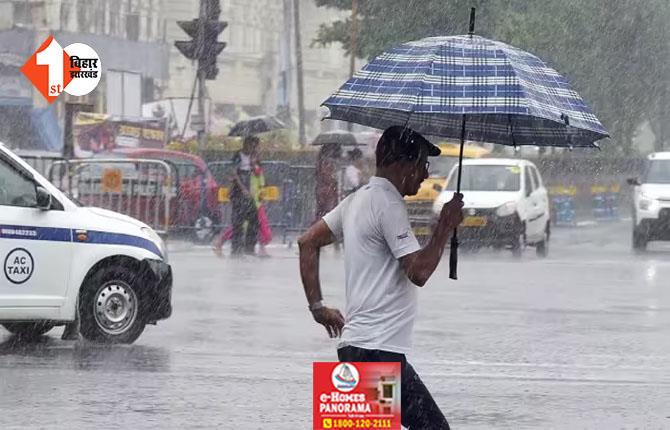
563, 211
221, 170
144, 189
39, 160
276, 174
300, 200
605, 200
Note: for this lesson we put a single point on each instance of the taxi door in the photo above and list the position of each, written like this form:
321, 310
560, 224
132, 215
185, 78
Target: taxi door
35, 244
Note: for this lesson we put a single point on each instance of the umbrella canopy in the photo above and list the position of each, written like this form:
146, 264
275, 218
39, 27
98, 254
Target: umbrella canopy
344, 138
507, 95
255, 125
471, 88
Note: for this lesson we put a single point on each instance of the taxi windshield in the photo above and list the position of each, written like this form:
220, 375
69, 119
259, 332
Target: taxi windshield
487, 178
657, 172
441, 166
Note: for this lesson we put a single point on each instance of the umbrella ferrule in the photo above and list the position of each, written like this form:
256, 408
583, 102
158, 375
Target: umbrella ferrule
471, 30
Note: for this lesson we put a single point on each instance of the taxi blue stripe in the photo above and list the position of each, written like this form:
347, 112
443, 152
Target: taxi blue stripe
55, 234
106, 238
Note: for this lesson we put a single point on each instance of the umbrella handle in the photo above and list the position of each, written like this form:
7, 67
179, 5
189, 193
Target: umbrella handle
453, 257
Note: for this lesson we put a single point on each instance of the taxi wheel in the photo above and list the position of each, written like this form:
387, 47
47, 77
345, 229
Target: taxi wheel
542, 248
109, 306
639, 240
28, 329
518, 244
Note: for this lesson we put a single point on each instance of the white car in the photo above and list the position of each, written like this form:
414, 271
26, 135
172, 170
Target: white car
62, 261
506, 205
651, 201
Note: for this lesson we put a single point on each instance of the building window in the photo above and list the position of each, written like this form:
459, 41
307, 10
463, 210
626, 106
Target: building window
65, 9
84, 18
22, 15
133, 26
113, 22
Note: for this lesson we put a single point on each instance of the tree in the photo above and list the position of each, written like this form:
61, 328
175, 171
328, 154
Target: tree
615, 53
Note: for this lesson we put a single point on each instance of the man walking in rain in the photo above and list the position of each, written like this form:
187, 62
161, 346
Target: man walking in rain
384, 265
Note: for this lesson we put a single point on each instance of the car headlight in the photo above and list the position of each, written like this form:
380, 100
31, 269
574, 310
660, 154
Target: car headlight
507, 209
645, 202
153, 236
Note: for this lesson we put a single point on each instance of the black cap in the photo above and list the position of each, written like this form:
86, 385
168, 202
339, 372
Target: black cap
398, 142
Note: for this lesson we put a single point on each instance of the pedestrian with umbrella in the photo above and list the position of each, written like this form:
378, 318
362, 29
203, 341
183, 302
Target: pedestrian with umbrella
460, 86
256, 125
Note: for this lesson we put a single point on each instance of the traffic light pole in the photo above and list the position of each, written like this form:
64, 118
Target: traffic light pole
203, 48
202, 131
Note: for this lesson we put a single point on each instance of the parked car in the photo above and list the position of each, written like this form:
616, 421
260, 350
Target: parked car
60, 257
506, 205
197, 208
651, 201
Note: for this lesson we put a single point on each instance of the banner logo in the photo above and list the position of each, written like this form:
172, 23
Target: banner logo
53, 69
345, 377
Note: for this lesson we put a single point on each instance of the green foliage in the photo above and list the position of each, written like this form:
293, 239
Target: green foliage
616, 53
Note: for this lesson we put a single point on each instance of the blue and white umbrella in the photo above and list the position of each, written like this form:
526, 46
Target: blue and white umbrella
508, 96
471, 88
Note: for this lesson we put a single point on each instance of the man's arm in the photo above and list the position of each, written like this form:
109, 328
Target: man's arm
310, 244
420, 265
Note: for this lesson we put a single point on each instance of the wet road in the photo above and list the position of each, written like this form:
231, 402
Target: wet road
579, 340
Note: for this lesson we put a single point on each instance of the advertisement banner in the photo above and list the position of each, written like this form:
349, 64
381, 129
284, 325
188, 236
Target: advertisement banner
356, 396
95, 133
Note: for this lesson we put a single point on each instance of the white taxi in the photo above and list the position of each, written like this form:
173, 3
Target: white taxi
62, 262
506, 205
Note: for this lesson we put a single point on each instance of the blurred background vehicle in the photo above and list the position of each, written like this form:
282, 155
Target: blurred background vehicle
506, 205
651, 201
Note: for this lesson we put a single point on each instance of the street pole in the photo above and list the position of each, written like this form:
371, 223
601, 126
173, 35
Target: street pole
202, 130
71, 110
353, 46
298, 60
286, 56
354, 37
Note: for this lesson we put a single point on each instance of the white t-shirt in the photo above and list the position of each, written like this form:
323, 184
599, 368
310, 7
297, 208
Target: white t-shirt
245, 162
381, 301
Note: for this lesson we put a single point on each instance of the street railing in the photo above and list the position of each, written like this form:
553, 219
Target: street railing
144, 189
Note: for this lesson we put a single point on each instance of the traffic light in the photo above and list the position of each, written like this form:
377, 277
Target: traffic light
204, 33
188, 48
211, 46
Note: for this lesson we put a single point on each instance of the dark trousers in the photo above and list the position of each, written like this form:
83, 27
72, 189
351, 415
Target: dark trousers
244, 209
419, 410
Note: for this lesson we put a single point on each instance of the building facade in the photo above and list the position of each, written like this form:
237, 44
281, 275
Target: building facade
128, 35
